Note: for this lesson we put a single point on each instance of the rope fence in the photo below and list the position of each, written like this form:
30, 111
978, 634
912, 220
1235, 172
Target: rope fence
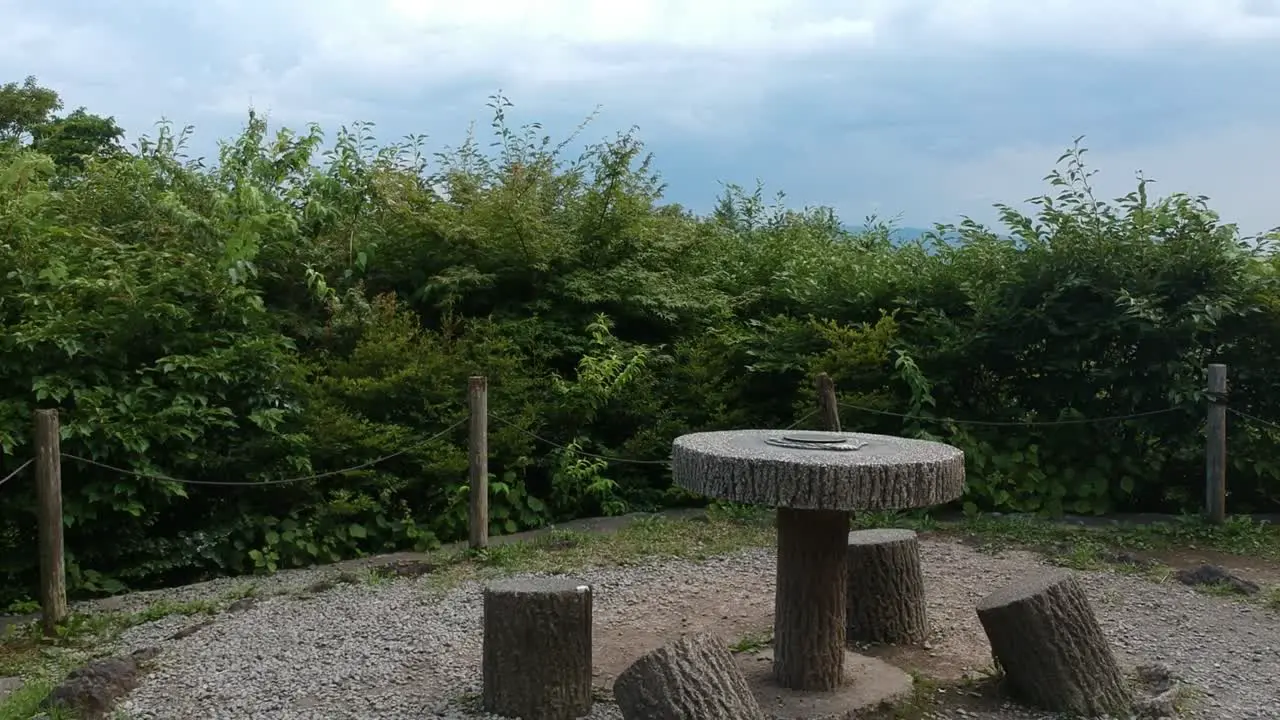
48, 470
1254, 419
274, 481
1014, 423
14, 474
611, 458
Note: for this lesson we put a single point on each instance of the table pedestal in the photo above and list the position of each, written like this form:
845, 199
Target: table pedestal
809, 609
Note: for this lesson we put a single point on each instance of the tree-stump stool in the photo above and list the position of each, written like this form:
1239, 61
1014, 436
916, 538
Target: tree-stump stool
1045, 637
537, 649
693, 678
885, 599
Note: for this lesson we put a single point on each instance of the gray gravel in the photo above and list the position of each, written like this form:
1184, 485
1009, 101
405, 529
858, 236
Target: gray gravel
395, 650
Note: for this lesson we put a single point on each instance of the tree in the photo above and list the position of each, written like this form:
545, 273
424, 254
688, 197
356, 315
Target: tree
25, 107
27, 114
69, 139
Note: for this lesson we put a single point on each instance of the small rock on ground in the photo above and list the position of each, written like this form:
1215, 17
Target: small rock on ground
90, 692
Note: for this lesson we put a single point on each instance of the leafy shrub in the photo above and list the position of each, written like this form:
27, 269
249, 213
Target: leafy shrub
303, 309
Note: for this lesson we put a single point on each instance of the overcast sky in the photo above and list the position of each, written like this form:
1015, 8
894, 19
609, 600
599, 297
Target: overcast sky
924, 108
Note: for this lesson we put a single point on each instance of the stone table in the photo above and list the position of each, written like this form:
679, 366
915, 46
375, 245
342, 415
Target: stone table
816, 480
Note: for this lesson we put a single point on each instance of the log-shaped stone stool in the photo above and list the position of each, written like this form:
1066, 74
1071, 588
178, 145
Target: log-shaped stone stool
815, 479
537, 649
1044, 635
885, 600
694, 678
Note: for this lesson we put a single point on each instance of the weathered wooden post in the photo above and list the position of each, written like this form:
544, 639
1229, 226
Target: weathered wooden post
828, 403
53, 576
478, 455
1215, 459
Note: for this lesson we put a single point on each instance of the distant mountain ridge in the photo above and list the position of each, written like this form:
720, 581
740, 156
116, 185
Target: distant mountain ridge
907, 234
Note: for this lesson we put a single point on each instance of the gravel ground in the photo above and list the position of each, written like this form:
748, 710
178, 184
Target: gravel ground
394, 650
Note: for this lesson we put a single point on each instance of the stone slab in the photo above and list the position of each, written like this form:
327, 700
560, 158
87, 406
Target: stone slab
9, 686
869, 683
871, 472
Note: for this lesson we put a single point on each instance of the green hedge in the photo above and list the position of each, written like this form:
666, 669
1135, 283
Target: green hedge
293, 310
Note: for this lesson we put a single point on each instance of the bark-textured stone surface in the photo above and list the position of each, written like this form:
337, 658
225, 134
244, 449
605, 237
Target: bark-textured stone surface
809, 608
886, 473
693, 678
537, 649
885, 597
1044, 634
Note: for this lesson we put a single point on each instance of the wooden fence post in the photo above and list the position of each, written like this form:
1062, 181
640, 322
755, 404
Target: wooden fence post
1215, 465
478, 454
53, 576
828, 404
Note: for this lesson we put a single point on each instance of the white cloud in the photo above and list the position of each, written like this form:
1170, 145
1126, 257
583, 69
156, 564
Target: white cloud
432, 40
675, 59
1112, 25
773, 25
621, 51
710, 25
640, 50
85, 51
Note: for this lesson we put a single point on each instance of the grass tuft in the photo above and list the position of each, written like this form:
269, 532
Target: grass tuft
646, 540
752, 642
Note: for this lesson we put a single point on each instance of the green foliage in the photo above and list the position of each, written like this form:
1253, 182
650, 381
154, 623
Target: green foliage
24, 107
579, 488
311, 307
27, 116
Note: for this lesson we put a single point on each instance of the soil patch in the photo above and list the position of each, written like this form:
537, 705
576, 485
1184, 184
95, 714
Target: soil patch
734, 610
1259, 570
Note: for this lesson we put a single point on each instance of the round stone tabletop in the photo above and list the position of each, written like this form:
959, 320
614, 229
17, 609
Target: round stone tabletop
807, 470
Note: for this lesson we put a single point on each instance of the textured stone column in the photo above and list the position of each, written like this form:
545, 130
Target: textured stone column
809, 608
537, 649
1054, 656
885, 600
